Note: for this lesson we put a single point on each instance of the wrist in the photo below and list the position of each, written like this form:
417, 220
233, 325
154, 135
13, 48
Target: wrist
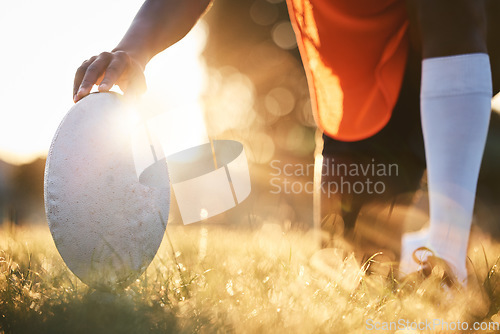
138, 58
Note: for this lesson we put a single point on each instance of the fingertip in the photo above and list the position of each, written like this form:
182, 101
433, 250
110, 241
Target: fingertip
82, 92
104, 87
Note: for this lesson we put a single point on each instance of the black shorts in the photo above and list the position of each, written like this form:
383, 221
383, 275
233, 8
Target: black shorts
398, 147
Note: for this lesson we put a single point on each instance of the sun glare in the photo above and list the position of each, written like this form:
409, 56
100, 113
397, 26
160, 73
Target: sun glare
43, 58
495, 103
172, 104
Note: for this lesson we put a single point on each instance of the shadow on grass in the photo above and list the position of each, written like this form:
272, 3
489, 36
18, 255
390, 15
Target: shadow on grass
95, 312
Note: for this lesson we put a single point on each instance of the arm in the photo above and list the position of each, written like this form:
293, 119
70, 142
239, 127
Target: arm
157, 25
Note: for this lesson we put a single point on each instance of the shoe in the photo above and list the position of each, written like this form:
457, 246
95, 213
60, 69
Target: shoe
410, 242
434, 265
418, 257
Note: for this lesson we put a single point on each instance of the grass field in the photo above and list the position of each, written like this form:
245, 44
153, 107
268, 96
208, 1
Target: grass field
216, 280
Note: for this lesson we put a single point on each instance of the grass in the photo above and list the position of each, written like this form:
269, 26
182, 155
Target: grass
216, 280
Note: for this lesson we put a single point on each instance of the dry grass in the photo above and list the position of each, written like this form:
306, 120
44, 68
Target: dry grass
222, 280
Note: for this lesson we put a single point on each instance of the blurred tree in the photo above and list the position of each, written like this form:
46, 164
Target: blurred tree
24, 200
6, 171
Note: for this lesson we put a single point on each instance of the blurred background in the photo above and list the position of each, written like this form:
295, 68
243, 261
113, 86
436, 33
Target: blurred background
237, 75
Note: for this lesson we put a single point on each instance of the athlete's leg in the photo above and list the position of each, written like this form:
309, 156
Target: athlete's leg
493, 38
455, 106
399, 143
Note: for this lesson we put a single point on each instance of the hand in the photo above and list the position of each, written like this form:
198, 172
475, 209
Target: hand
107, 69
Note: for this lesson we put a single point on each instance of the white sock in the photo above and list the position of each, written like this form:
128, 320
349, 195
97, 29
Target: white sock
455, 106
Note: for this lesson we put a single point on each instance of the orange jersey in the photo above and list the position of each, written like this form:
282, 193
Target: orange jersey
354, 53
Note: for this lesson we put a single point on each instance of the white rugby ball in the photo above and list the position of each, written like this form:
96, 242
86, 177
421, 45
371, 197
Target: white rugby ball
106, 222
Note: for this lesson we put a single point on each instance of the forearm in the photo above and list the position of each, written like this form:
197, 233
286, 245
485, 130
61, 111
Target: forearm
158, 25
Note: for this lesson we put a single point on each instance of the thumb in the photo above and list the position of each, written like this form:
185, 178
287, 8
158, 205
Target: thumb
136, 85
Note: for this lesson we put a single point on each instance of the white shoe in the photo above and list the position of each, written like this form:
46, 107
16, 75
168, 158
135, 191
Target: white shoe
418, 256
409, 243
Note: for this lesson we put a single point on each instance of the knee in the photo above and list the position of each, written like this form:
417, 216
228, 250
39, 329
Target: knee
449, 27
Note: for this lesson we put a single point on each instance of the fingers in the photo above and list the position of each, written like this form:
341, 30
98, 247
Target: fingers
120, 61
106, 70
88, 74
79, 75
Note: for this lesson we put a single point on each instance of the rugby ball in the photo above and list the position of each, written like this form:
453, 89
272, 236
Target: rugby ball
107, 218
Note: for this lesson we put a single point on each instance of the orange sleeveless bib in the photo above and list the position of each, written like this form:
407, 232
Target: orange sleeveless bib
354, 53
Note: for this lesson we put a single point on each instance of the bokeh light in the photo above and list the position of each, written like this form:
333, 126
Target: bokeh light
284, 36
279, 101
263, 12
